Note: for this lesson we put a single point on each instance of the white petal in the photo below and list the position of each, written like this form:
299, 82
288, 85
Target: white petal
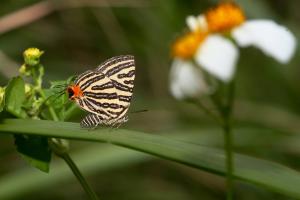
202, 22
186, 80
196, 23
273, 39
192, 23
218, 56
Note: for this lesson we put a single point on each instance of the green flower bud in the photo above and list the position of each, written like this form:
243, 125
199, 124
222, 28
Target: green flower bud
24, 70
32, 56
59, 146
28, 89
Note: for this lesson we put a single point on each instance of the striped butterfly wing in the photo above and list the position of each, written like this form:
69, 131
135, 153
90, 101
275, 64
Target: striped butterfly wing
121, 71
99, 97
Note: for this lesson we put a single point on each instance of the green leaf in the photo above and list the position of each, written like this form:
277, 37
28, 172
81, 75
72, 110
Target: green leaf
39, 164
268, 174
15, 96
35, 150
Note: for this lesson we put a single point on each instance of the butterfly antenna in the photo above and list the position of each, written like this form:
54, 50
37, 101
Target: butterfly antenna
57, 95
60, 86
139, 111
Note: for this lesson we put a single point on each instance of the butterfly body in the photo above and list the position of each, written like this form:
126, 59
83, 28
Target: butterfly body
105, 92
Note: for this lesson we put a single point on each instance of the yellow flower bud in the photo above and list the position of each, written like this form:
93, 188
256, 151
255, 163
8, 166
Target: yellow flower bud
32, 56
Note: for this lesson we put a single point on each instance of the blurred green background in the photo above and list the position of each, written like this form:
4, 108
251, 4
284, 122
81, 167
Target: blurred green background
78, 35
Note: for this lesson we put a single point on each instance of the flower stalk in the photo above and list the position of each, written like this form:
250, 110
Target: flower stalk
61, 147
228, 139
92, 195
224, 119
225, 109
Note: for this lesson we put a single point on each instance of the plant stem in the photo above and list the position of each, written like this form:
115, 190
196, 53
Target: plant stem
207, 111
89, 191
228, 139
50, 108
70, 111
42, 94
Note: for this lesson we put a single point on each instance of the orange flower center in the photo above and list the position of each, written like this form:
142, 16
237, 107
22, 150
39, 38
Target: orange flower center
186, 46
224, 17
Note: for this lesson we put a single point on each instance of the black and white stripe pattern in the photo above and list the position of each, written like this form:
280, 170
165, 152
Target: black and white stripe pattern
93, 120
107, 91
121, 70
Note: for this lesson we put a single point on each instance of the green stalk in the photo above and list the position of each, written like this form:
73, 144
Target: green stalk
50, 108
228, 139
225, 108
38, 87
61, 147
92, 195
208, 111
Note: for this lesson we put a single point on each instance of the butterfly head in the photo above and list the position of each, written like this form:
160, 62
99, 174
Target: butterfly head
74, 92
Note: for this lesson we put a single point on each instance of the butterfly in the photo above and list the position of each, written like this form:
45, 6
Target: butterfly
105, 92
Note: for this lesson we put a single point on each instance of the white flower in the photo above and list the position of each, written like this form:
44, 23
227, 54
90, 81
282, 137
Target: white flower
219, 56
210, 44
186, 80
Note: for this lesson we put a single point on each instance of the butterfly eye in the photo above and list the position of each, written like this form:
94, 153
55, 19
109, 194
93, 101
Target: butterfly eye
70, 93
